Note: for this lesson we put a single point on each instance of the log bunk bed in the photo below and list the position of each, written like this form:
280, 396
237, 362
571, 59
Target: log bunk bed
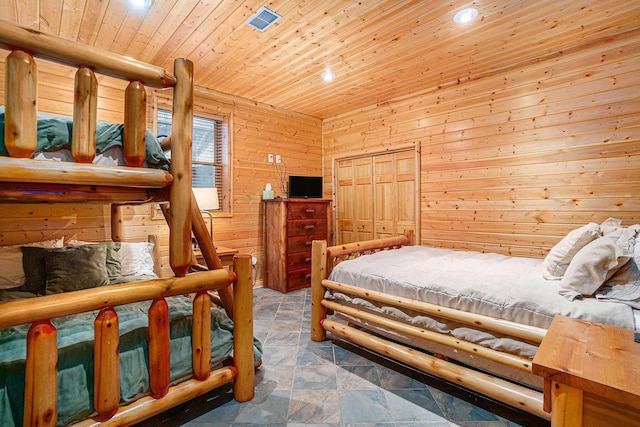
25, 180
439, 329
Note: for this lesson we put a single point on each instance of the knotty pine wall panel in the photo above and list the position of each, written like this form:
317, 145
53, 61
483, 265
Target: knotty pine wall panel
511, 162
258, 130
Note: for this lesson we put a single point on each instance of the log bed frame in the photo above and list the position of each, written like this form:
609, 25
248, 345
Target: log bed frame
325, 258
31, 181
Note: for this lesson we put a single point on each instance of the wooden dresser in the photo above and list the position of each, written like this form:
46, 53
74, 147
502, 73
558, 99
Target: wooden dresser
290, 227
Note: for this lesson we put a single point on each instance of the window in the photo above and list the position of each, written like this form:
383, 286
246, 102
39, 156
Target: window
210, 156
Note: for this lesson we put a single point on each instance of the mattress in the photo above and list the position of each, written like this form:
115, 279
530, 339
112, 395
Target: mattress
54, 142
75, 366
503, 287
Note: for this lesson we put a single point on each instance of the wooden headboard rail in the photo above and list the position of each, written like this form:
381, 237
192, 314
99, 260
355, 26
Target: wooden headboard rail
336, 254
21, 113
13, 37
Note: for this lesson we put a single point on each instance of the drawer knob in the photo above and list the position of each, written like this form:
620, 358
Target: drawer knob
308, 243
307, 260
309, 210
309, 226
307, 276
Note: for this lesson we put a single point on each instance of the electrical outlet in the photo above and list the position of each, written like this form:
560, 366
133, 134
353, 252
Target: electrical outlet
270, 158
278, 160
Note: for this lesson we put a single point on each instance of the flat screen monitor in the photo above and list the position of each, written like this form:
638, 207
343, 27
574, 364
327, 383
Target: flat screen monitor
305, 187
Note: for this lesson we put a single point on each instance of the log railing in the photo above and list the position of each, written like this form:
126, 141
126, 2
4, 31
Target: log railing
42, 350
77, 181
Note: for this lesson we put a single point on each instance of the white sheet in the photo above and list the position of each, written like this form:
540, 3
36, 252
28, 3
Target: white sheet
110, 157
503, 287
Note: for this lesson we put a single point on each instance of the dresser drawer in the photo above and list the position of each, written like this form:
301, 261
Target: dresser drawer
303, 243
306, 210
307, 227
299, 279
299, 260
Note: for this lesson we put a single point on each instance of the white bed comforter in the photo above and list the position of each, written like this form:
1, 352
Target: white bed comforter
504, 287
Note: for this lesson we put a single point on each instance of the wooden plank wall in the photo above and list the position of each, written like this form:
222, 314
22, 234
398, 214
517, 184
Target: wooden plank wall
257, 131
511, 162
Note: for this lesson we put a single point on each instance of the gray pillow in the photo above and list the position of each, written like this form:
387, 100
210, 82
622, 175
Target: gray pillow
75, 268
114, 266
34, 270
113, 259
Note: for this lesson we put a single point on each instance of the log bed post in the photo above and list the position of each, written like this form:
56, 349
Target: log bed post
318, 266
41, 375
85, 113
106, 363
180, 192
117, 225
243, 386
134, 133
201, 336
21, 104
159, 348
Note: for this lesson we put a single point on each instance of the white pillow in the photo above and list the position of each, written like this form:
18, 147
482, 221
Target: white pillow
559, 257
136, 258
51, 244
610, 225
11, 268
597, 262
624, 285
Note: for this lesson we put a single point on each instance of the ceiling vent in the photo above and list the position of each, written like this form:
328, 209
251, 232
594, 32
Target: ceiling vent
263, 19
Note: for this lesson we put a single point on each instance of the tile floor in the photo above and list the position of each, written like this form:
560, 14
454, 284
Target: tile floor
334, 384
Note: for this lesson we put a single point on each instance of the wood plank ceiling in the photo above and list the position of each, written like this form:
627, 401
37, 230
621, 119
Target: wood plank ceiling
379, 49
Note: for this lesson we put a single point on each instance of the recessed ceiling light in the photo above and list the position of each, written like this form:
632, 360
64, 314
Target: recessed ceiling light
328, 75
465, 16
141, 3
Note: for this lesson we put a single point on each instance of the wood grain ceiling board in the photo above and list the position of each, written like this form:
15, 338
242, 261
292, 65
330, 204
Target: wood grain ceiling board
380, 49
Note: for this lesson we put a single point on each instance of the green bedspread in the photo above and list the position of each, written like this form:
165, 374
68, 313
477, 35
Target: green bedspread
54, 133
75, 354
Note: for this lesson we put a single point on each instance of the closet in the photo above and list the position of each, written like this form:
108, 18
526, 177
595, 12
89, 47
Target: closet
376, 195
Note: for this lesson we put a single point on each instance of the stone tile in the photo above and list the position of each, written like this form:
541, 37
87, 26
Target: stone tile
312, 425
286, 332
458, 410
266, 408
364, 406
360, 377
319, 377
368, 425
413, 405
274, 378
346, 355
279, 355
399, 378
312, 406
310, 355
289, 314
